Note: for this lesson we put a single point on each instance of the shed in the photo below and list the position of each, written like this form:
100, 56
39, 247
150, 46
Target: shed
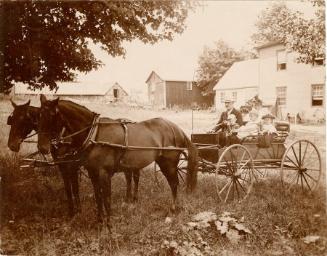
166, 90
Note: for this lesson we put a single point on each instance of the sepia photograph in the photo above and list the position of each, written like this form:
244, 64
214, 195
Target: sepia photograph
163, 127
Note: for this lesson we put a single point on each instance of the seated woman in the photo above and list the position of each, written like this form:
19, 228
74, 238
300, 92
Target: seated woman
251, 127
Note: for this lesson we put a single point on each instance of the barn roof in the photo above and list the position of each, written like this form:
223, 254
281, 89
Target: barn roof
120, 87
86, 88
241, 74
174, 75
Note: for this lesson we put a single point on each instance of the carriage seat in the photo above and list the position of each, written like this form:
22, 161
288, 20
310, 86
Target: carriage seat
282, 126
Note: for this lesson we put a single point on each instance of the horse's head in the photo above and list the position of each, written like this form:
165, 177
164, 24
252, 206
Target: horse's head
22, 123
48, 123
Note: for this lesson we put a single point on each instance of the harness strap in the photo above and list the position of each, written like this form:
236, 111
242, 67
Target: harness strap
120, 153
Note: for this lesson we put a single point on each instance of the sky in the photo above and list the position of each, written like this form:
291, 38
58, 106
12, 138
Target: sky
231, 21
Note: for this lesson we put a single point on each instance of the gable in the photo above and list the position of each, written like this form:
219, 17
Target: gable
119, 87
153, 78
242, 74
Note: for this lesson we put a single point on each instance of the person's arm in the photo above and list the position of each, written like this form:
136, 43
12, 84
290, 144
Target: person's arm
221, 119
239, 118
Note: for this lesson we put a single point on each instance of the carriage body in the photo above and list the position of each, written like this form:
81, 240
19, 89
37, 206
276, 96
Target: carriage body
240, 165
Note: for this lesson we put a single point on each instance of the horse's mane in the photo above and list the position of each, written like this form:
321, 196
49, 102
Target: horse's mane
74, 114
74, 106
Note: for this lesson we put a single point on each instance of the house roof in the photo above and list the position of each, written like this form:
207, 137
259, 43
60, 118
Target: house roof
268, 44
242, 74
69, 88
174, 75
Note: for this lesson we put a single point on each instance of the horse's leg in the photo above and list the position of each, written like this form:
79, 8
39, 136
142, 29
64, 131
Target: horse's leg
94, 176
136, 178
128, 177
67, 184
169, 170
75, 186
105, 184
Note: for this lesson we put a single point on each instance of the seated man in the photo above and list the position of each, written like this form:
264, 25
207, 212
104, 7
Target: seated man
232, 129
251, 127
222, 123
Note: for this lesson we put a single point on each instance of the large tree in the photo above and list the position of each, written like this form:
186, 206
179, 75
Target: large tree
42, 42
214, 62
302, 35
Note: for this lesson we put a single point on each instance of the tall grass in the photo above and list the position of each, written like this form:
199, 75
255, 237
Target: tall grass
34, 220
34, 217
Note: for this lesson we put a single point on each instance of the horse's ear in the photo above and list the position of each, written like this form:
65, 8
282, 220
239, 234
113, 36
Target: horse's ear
13, 103
43, 99
27, 103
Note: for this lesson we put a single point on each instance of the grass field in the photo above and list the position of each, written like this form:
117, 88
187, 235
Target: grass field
34, 218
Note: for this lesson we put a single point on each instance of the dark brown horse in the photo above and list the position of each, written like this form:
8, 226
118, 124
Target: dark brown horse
101, 160
23, 120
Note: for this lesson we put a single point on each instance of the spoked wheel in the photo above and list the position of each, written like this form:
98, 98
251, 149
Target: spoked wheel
301, 166
259, 173
234, 173
181, 170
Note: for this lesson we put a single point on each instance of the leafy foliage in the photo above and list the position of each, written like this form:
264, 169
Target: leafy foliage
44, 42
213, 63
226, 225
305, 36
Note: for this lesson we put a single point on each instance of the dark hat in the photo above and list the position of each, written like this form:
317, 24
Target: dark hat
268, 116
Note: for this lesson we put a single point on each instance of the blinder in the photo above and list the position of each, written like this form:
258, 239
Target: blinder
9, 120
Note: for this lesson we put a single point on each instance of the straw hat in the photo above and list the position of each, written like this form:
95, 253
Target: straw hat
228, 99
268, 116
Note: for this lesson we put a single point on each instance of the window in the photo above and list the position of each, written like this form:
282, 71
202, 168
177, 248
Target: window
116, 93
234, 95
222, 97
319, 62
281, 60
281, 95
189, 86
317, 95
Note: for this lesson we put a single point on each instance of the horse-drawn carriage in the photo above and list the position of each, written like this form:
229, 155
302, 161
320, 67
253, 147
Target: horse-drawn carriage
238, 166
103, 147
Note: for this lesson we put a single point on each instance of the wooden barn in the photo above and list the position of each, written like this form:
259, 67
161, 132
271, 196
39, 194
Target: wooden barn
81, 91
165, 91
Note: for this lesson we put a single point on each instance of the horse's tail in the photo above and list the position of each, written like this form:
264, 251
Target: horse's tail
192, 162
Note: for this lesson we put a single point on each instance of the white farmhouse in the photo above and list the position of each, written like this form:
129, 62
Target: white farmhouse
240, 82
278, 79
298, 88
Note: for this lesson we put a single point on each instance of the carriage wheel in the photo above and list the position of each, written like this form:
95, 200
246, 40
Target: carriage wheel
301, 165
259, 173
181, 170
236, 164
